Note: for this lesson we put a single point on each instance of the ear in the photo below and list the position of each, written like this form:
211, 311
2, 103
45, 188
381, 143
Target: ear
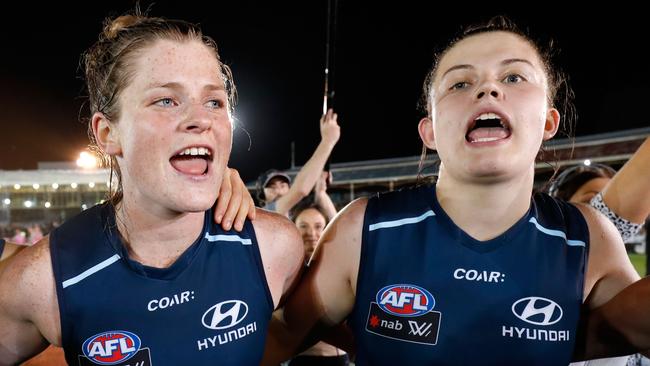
552, 123
425, 127
106, 134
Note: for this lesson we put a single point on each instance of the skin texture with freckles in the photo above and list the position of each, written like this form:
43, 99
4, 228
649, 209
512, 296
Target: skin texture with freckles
174, 100
162, 115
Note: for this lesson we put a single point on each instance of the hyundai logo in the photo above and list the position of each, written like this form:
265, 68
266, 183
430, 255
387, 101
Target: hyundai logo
537, 310
225, 314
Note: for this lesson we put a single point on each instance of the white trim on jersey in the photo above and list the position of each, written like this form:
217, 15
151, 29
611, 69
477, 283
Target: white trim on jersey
213, 238
573, 243
406, 221
90, 271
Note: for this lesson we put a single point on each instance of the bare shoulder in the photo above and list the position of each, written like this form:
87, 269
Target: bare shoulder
28, 292
347, 227
609, 269
339, 249
29, 268
10, 249
281, 249
276, 232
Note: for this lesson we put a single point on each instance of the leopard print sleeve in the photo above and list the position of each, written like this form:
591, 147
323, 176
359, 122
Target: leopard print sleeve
625, 227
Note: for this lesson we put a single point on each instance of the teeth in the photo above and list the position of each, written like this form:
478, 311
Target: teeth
486, 139
487, 116
196, 151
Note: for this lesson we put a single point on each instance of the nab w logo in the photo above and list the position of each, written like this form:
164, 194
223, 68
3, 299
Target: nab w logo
225, 314
537, 310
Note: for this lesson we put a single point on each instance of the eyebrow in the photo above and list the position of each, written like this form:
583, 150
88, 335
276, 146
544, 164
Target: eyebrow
175, 85
505, 62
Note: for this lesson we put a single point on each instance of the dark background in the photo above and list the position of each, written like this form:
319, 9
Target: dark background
277, 53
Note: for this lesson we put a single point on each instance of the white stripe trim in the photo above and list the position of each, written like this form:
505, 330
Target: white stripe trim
406, 221
212, 238
92, 270
573, 243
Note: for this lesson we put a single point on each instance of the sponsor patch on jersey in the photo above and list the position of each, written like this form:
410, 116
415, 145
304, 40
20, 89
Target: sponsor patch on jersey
405, 313
227, 318
538, 320
114, 348
405, 300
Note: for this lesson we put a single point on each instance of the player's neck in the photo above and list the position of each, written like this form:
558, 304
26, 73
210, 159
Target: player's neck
485, 211
156, 237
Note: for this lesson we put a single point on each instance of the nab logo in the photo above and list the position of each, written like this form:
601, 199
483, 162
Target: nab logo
405, 300
537, 310
225, 314
110, 348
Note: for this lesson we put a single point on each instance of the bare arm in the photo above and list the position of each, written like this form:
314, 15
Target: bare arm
322, 199
627, 193
29, 316
282, 252
325, 296
619, 327
311, 171
609, 269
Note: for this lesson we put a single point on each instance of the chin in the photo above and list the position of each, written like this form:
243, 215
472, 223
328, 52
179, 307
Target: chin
194, 202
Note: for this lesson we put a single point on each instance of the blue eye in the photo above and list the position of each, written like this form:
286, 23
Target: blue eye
513, 78
216, 104
165, 102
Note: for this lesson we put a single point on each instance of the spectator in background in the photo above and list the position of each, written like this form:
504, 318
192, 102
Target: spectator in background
35, 233
580, 183
20, 236
311, 216
275, 189
622, 197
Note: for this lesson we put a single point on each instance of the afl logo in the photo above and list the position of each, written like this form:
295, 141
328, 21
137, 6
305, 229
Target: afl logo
225, 314
405, 300
110, 348
537, 310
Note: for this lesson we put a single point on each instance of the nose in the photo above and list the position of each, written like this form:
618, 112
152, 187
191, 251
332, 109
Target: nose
197, 119
488, 89
313, 233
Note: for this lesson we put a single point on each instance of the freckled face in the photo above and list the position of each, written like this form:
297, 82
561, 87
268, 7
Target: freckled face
174, 129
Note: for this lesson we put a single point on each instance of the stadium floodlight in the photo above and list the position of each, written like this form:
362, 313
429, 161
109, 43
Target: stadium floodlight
86, 160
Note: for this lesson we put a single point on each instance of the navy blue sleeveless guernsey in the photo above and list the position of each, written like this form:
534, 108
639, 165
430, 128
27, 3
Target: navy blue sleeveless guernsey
211, 307
429, 294
2, 246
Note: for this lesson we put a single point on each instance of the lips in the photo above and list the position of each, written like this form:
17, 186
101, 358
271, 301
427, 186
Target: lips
487, 127
193, 160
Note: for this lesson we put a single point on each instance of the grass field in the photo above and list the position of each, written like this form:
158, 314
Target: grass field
639, 262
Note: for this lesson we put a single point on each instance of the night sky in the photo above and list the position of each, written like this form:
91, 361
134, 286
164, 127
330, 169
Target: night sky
277, 52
